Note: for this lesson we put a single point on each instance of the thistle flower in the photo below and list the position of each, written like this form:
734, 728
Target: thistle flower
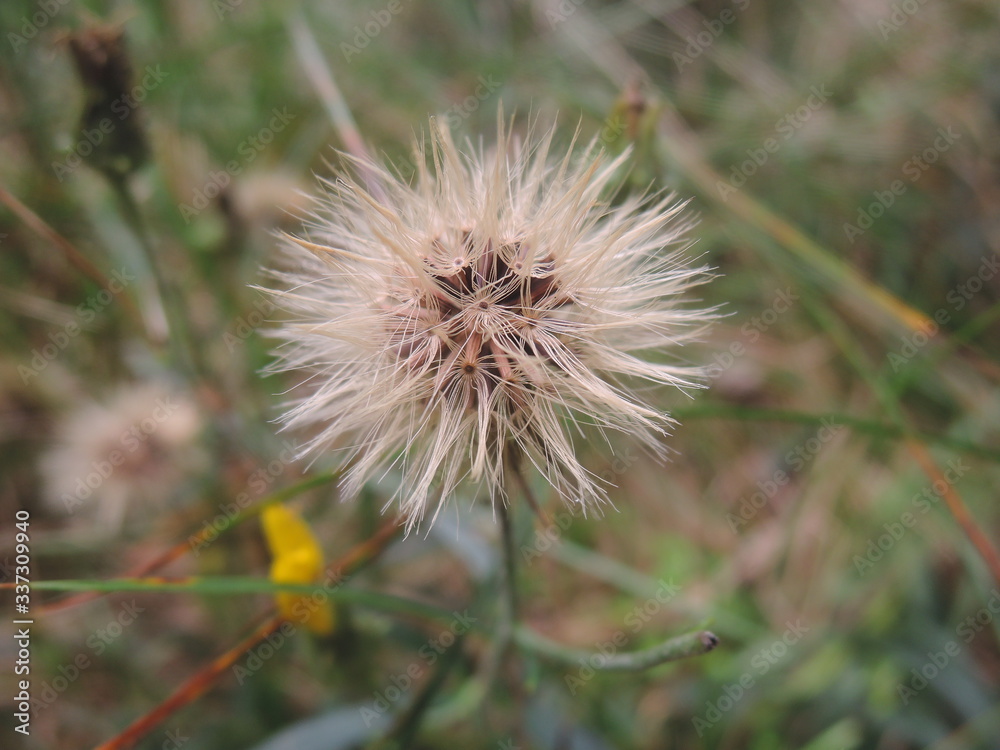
483, 313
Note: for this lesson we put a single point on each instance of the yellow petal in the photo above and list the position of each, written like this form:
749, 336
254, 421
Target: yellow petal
297, 558
286, 532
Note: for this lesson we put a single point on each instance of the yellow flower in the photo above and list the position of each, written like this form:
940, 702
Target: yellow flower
296, 558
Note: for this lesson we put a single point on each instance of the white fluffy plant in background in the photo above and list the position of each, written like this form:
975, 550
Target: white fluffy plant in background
135, 447
481, 314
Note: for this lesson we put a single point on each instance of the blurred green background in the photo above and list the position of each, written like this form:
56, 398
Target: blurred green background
843, 159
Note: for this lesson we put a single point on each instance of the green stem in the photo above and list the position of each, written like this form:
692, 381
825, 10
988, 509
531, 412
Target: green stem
183, 348
509, 612
242, 585
695, 643
280, 496
507, 617
709, 410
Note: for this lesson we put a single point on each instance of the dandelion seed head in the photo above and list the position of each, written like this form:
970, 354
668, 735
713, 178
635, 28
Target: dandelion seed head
137, 447
481, 314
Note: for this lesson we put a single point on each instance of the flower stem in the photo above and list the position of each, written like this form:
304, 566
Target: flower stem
509, 613
508, 610
180, 338
695, 643
529, 494
325, 85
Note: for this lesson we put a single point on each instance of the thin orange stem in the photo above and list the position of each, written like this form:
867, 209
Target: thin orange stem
191, 690
197, 685
140, 571
76, 258
958, 508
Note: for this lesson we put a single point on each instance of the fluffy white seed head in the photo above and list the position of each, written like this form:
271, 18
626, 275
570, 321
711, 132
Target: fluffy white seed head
482, 314
136, 448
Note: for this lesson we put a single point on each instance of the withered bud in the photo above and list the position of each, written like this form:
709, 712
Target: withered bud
103, 62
